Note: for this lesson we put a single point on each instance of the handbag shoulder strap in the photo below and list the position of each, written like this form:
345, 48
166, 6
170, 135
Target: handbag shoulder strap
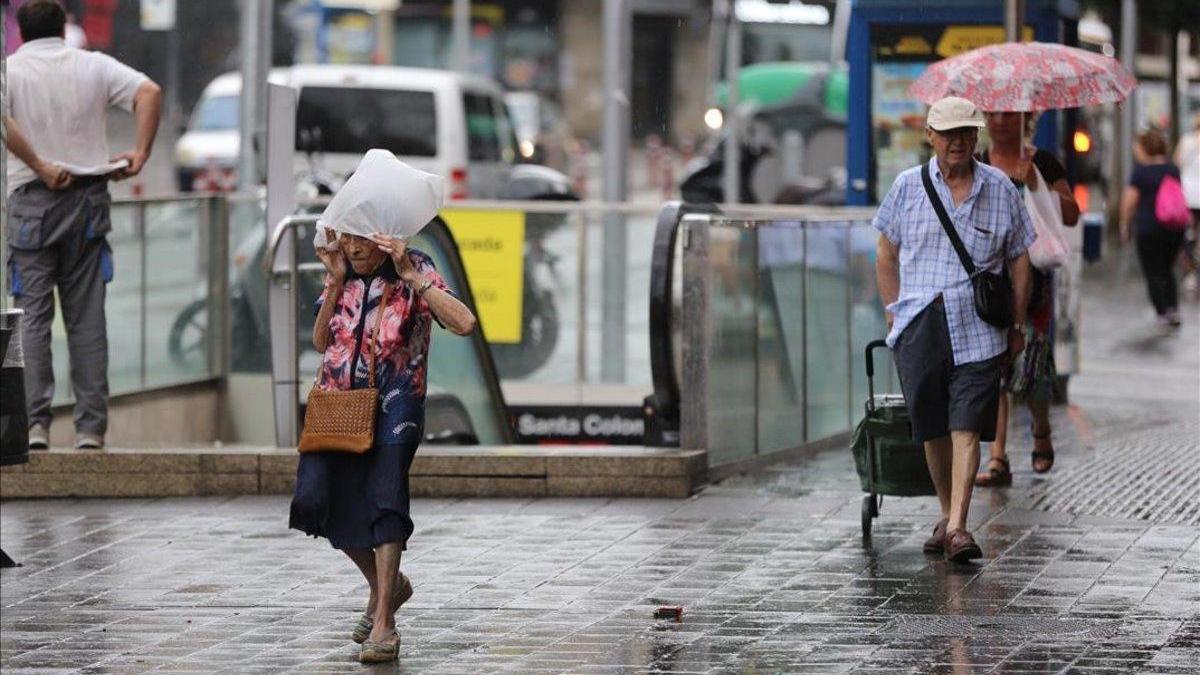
383, 303
955, 240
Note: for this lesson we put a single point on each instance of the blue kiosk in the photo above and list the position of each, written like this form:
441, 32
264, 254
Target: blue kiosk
891, 42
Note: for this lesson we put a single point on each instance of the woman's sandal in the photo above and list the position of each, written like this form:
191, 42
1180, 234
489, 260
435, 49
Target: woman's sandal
997, 474
380, 652
1046, 456
362, 629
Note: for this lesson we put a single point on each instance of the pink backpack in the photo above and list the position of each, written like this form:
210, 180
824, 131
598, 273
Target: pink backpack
1170, 206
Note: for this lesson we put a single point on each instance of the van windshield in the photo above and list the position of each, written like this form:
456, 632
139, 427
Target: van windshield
219, 113
352, 121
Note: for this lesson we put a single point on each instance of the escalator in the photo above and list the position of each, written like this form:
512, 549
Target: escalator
662, 407
464, 404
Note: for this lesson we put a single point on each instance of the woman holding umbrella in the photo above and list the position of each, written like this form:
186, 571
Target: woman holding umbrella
1014, 79
1032, 374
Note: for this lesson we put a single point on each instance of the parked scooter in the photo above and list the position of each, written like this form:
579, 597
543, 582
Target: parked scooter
539, 307
820, 173
187, 341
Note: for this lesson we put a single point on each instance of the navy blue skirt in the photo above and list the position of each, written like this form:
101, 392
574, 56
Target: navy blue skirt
356, 501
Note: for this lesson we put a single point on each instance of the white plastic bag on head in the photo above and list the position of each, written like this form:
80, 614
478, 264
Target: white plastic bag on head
384, 195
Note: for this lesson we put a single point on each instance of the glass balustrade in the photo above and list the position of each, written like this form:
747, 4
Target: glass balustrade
792, 303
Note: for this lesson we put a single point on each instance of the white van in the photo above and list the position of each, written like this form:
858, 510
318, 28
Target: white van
439, 121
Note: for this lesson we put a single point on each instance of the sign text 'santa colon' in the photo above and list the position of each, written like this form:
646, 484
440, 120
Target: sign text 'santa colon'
590, 425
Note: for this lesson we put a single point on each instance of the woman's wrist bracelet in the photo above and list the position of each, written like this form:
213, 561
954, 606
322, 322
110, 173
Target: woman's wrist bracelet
428, 283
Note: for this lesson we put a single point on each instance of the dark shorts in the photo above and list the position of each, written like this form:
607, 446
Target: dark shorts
940, 396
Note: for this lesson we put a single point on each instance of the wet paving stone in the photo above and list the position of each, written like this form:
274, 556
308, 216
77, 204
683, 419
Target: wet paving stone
806, 597
770, 568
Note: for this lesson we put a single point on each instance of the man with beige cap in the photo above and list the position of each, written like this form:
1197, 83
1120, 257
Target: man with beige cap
949, 358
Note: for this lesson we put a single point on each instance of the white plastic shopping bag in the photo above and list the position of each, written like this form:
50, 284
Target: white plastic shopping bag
1051, 249
384, 195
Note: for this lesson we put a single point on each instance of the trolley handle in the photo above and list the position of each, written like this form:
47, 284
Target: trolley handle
872, 346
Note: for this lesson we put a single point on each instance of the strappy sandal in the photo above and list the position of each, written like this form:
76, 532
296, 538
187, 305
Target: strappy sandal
362, 629
1045, 456
997, 474
378, 651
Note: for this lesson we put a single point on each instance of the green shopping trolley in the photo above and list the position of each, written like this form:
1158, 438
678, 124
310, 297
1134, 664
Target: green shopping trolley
888, 461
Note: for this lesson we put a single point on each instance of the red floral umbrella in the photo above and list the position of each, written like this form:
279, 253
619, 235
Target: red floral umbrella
1026, 77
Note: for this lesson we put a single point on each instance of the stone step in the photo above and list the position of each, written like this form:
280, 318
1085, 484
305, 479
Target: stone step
437, 471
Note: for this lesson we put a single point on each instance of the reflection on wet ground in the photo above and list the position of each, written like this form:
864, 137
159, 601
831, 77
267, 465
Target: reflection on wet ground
771, 570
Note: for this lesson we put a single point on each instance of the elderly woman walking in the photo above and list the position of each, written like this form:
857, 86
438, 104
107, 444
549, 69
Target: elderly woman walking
1032, 374
372, 327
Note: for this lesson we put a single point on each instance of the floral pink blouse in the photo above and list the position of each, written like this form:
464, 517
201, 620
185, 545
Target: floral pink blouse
402, 349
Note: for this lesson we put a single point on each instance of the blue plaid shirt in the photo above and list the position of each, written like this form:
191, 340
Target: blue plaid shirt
994, 227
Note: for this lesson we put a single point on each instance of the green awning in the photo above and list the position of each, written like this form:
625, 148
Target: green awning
768, 84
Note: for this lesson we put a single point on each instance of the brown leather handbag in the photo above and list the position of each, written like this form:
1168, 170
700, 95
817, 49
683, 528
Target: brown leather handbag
344, 421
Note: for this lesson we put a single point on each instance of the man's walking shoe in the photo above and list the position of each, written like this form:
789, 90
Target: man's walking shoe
935, 544
39, 437
961, 547
89, 442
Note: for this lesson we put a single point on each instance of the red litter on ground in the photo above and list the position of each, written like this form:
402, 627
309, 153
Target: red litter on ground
669, 613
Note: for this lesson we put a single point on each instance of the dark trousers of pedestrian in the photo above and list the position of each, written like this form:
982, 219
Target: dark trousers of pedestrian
57, 242
1157, 252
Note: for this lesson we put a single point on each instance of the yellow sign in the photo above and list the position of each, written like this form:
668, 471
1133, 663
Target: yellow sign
958, 39
492, 245
913, 44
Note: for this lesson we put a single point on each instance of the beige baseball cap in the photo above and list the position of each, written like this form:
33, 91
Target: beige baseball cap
953, 112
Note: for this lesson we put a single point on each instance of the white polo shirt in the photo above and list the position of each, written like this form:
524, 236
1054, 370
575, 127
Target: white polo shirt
60, 96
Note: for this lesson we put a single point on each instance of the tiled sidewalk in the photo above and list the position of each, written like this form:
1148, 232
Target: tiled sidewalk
771, 569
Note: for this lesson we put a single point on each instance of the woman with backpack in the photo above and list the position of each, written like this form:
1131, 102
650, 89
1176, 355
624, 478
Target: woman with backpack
1154, 204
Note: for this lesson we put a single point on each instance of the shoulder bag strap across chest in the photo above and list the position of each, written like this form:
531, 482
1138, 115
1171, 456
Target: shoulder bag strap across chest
383, 303
947, 224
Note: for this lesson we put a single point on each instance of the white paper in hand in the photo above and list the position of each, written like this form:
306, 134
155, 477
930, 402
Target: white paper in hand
384, 195
98, 170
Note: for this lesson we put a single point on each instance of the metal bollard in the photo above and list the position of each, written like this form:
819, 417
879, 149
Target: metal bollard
14, 418
1093, 236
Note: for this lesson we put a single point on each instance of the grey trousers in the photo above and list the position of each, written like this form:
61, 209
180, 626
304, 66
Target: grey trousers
57, 241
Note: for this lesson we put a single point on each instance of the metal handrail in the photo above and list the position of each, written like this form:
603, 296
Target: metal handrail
754, 211
288, 226
289, 223
186, 196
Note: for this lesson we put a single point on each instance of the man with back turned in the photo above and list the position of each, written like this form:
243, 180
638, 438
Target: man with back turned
56, 111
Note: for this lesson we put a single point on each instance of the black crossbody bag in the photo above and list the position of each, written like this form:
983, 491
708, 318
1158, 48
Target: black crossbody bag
993, 292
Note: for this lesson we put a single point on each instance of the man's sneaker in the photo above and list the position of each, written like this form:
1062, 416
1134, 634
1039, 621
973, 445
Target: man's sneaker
89, 442
39, 437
